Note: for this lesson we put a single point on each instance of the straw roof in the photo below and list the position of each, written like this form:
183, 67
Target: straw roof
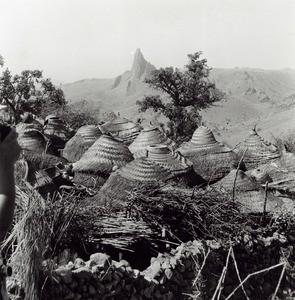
202, 140
212, 166
89, 132
122, 128
105, 154
21, 126
76, 147
32, 139
249, 196
163, 156
148, 136
136, 174
258, 150
42, 160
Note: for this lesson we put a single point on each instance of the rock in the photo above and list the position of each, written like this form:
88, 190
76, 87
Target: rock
69, 296
168, 273
91, 290
79, 262
65, 274
154, 269
83, 272
101, 259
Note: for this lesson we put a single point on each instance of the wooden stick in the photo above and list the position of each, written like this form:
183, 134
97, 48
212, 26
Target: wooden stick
253, 274
279, 282
221, 279
200, 270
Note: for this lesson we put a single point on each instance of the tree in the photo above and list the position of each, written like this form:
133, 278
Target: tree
28, 92
188, 92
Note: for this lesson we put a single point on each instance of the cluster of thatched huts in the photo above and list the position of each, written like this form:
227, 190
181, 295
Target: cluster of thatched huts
119, 156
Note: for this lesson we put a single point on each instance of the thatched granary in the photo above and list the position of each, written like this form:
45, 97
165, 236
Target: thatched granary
138, 173
122, 128
81, 142
211, 159
247, 193
103, 157
257, 151
56, 132
148, 136
32, 139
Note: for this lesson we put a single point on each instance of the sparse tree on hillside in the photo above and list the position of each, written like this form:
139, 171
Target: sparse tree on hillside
28, 92
188, 92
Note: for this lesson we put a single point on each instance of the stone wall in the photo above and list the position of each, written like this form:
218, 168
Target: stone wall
172, 275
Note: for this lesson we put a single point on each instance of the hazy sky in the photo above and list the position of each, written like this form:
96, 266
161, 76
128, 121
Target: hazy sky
76, 39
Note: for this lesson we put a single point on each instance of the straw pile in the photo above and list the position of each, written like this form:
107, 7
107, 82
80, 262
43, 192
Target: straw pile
105, 154
32, 139
122, 128
81, 142
148, 136
135, 175
248, 194
258, 151
211, 160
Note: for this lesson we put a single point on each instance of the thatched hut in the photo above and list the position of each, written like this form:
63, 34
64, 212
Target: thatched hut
211, 159
148, 136
103, 157
122, 128
56, 132
247, 193
81, 142
257, 151
32, 139
138, 173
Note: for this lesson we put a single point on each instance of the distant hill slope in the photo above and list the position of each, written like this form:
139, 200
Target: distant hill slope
253, 96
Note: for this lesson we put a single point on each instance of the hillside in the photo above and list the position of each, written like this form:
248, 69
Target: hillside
253, 96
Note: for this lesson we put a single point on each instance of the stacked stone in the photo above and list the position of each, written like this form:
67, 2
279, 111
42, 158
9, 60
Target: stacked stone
174, 275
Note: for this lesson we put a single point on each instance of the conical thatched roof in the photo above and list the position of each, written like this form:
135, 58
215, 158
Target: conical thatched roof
202, 140
32, 139
76, 147
89, 132
211, 159
163, 156
258, 151
105, 154
249, 196
21, 126
122, 128
42, 160
243, 182
148, 136
136, 174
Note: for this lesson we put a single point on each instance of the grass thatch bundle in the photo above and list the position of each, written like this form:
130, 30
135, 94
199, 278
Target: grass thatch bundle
22, 126
89, 180
122, 128
105, 154
32, 139
248, 193
148, 136
258, 150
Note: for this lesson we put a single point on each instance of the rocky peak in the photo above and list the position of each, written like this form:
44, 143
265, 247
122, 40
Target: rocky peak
140, 68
